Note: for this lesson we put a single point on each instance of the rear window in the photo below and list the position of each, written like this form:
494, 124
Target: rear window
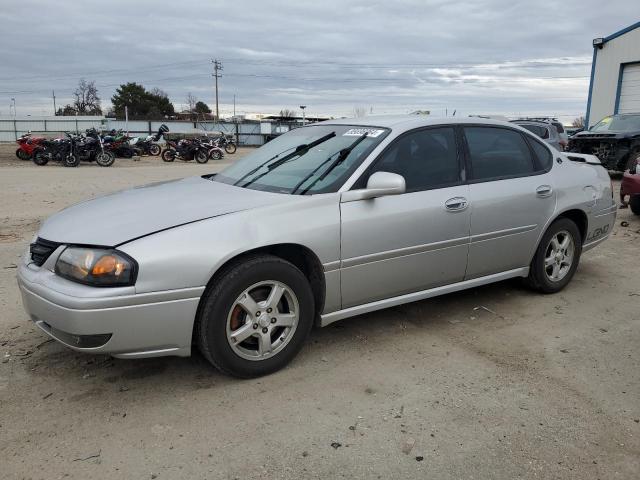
543, 157
559, 127
539, 130
498, 153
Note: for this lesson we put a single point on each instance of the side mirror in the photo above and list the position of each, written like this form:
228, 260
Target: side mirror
380, 184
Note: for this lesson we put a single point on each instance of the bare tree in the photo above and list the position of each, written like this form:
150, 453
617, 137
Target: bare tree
578, 122
287, 114
359, 111
191, 102
87, 101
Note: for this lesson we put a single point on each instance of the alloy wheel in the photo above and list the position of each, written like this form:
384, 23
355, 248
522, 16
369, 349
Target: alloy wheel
262, 320
559, 256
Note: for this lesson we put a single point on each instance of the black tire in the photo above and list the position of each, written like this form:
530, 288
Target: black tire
169, 155
219, 298
154, 149
215, 154
105, 159
538, 278
230, 148
201, 156
71, 161
634, 204
40, 158
22, 155
632, 162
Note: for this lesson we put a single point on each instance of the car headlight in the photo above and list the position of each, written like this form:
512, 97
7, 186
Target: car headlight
97, 267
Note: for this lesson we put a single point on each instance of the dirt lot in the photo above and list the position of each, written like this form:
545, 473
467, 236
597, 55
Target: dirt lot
495, 382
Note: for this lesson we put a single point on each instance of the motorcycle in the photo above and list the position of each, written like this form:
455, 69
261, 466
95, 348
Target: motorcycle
227, 142
185, 150
57, 150
28, 144
90, 147
214, 152
148, 146
118, 143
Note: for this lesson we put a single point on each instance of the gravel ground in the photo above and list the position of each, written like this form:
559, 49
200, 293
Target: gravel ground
495, 382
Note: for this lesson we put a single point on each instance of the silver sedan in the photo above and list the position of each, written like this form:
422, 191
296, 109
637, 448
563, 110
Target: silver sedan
328, 221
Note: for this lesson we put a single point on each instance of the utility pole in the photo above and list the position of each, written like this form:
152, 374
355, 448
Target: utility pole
217, 67
302, 107
234, 105
53, 94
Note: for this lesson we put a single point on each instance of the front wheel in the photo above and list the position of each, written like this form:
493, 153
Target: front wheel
105, 159
154, 149
633, 162
169, 155
634, 204
201, 156
255, 318
230, 148
22, 155
215, 154
556, 258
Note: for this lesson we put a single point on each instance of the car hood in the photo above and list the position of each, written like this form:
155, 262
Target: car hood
119, 217
600, 135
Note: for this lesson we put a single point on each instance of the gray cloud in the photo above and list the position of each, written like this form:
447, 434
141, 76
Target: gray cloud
490, 56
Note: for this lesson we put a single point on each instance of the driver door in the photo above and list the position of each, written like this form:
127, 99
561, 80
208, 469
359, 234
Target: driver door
400, 244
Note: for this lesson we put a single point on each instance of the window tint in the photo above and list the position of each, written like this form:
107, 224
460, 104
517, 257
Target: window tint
539, 130
559, 127
544, 158
497, 152
425, 158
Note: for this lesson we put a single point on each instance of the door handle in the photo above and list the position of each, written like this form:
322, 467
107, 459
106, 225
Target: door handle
544, 191
456, 204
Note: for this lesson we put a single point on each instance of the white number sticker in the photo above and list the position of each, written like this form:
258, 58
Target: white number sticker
358, 132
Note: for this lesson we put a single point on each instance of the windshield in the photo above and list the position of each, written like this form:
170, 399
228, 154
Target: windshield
312, 159
617, 123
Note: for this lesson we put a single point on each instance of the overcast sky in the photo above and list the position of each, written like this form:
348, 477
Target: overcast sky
485, 56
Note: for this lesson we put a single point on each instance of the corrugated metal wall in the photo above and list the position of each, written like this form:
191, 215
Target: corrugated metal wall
248, 133
620, 50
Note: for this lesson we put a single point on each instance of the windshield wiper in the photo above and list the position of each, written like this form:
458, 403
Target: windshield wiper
298, 152
342, 156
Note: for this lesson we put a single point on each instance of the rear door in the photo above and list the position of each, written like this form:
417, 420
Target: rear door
512, 195
405, 243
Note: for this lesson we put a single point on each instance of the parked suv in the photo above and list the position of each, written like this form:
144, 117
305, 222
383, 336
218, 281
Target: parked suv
615, 140
545, 130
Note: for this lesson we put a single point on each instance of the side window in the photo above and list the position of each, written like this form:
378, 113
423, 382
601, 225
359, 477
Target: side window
497, 152
544, 158
425, 158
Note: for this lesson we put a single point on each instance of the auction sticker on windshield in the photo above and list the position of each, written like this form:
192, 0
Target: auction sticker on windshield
357, 132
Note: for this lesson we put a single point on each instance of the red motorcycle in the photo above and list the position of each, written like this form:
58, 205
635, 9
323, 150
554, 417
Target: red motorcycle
27, 145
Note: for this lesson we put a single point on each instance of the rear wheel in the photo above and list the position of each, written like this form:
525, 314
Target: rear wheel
230, 148
169, 155
154, 149
105, 159
634, 204
256, 317
201, 156
556, 258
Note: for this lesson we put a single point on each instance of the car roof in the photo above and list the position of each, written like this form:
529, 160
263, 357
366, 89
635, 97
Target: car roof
412, 121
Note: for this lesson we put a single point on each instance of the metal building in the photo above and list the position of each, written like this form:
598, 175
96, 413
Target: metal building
615, 75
